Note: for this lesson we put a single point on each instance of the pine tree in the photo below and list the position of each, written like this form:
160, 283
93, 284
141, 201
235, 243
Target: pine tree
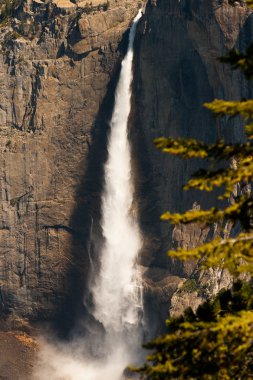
215, 342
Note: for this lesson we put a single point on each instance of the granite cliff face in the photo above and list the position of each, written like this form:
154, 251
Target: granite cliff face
59, 63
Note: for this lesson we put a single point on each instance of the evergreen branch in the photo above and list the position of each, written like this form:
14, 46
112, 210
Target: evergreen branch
239, 60
214, 215
236, 254
208, 180
249, 130
190, 148
185, 148
231, 108
249, 3
202, 347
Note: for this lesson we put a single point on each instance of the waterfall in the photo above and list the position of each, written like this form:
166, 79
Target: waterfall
117, 292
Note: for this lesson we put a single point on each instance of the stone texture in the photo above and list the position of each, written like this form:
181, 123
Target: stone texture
17, 353
53, 104
95, 29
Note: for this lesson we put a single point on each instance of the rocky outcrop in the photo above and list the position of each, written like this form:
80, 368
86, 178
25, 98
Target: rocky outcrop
58, 66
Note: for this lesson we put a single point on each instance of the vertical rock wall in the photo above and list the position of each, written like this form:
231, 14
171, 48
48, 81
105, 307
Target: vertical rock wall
176, 72
58, 64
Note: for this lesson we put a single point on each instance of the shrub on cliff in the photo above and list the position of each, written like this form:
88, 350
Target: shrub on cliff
7, 8
216, 342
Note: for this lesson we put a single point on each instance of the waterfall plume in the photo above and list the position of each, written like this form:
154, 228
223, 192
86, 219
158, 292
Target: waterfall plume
117, 291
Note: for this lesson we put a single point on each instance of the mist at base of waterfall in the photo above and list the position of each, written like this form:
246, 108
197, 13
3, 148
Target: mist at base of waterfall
67, 362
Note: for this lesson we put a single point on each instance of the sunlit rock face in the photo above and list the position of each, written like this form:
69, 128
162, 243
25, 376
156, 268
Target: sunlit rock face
58, 69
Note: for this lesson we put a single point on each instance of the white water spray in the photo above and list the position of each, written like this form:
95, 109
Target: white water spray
117, 293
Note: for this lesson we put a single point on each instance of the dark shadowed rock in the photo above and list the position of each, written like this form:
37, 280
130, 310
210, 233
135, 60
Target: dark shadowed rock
176, 71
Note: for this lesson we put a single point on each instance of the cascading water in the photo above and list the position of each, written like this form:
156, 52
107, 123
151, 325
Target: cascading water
117, 294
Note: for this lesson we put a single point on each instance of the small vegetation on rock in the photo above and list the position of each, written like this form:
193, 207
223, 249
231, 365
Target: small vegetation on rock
190, 286
89, 8
7, 9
